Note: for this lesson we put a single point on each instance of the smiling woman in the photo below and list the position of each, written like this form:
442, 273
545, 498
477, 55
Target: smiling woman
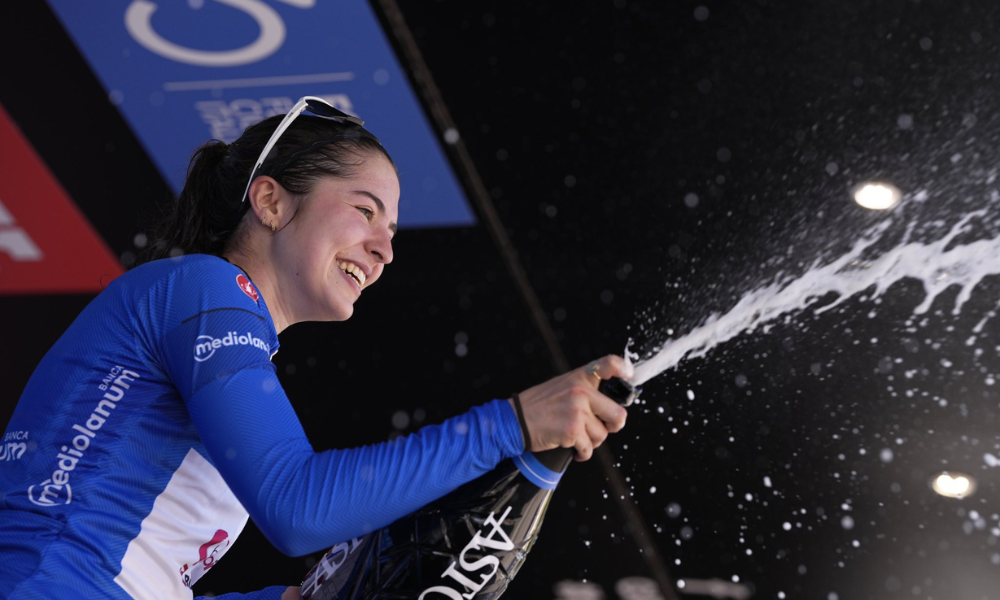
325, 251
192, 433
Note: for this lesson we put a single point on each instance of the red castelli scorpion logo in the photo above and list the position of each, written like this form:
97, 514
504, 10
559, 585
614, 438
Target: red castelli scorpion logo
247, 287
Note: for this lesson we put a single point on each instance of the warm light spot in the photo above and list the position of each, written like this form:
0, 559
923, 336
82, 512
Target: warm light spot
877, 196
954, 485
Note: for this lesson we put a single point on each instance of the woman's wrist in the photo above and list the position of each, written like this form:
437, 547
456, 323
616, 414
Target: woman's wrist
515, 402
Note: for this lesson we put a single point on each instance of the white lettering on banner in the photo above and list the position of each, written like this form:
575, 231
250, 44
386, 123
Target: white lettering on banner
478, 543
5, 217
14, 241
206, 345
300, 3
56, 489
227, 120
138, 21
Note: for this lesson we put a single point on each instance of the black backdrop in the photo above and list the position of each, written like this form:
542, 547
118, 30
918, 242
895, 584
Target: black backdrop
592, 125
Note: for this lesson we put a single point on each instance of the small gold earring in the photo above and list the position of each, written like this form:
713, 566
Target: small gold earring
263, 221
273, 228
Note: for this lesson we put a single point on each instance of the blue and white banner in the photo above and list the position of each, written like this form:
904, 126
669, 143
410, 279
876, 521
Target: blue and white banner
185, 71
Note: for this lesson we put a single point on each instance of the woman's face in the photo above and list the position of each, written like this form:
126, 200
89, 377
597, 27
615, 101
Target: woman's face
337, 243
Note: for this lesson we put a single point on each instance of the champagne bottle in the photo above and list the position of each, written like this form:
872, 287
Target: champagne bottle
468, 545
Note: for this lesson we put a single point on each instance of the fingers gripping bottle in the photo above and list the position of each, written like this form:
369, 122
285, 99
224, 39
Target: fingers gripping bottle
467, 545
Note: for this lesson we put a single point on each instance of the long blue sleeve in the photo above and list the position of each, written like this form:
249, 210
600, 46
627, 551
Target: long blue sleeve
305, 501
157, 418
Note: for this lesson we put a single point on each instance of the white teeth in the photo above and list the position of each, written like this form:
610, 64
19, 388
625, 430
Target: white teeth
353, 269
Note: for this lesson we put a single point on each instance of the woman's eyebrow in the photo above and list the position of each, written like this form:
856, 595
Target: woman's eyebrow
378, 204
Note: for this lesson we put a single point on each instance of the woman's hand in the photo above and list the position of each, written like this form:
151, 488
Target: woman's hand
291, 593
568, 411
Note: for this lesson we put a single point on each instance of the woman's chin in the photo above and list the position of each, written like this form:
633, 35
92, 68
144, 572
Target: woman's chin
341, 313
326, 314
338, 305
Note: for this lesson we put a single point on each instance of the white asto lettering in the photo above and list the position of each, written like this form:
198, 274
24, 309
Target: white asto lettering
138, 21
56, 490
460, 571
328, 565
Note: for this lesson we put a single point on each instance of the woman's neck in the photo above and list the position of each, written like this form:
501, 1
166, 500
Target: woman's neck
263, 279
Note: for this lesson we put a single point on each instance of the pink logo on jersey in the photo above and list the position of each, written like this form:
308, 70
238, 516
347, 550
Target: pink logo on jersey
247, 287
208, 554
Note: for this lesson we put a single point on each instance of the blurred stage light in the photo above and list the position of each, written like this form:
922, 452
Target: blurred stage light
877, 196
954, 485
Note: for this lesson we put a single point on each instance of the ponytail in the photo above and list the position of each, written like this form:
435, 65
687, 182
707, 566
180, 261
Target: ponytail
201, 221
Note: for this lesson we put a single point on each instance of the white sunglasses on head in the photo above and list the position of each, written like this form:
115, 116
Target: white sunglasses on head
316, 106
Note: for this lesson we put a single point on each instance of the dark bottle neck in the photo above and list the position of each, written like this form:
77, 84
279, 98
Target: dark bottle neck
557, 459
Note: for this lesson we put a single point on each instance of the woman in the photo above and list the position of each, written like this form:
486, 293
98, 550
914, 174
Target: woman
156, 425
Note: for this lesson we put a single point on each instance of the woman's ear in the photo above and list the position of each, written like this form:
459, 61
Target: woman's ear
268, 201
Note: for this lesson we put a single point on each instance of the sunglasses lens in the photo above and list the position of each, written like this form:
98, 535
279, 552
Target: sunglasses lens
323, 109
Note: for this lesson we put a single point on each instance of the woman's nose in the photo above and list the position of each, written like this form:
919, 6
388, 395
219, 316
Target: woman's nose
381, 247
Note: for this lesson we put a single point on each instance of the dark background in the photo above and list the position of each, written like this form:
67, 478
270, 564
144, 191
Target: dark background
651, 162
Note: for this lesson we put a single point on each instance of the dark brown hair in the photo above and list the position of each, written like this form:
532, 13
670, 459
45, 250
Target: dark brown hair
206, 216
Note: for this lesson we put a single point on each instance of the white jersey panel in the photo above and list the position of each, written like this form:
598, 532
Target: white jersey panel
174, 547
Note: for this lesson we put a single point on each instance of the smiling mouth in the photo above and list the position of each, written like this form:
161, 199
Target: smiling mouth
354, 271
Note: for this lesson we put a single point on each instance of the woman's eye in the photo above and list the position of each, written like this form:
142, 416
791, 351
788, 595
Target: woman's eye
367, 212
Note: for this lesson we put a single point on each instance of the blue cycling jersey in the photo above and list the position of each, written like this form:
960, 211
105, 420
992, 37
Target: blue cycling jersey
156, 425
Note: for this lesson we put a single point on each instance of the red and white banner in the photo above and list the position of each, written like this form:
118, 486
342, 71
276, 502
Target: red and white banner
47, 246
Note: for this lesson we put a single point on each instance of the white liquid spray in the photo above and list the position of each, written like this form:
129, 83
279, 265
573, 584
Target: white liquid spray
935, 264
